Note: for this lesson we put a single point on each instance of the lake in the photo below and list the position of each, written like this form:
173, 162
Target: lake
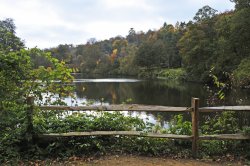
151, 92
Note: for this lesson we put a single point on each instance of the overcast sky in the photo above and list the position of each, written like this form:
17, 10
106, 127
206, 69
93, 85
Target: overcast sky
48, 23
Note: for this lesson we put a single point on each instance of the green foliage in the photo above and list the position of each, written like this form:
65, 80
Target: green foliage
150, 54
204, 14
127, 63
63, 53
14, 67
177, 74
219, 147
217, 40
241, 4
196, 48
241, 76
217, 88
123, 56
21, 78
224, 123
172, 74
178, 126
246, 130
147, 73
49, 121
160, 49
209, 40
8, 40
95, 121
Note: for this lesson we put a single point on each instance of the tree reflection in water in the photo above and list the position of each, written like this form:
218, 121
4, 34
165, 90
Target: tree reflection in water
152, 92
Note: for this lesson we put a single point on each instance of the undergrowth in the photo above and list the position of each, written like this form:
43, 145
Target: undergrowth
64, 147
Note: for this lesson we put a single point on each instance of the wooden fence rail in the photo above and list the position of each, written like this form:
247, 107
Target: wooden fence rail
194, 109
122, 107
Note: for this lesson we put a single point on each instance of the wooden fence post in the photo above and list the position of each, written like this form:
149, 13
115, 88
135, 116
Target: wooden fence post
30, 111
195, 125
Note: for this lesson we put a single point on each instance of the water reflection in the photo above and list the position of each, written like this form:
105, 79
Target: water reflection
107, 80
151, 92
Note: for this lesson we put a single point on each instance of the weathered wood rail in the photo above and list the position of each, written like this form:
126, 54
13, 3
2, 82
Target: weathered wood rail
194, 110
122, 107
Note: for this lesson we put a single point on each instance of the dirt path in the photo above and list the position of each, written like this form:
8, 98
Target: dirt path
147, 161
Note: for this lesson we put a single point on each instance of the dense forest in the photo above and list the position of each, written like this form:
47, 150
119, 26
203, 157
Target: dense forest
211, 42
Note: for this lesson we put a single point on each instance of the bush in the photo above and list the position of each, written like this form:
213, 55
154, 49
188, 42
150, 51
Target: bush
241, 76
172, 74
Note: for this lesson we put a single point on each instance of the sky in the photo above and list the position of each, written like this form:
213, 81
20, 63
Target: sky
48, 23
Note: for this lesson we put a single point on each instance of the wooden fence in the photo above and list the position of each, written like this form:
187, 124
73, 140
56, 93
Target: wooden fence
194, 110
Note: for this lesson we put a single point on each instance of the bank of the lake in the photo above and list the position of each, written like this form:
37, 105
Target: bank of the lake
163, 73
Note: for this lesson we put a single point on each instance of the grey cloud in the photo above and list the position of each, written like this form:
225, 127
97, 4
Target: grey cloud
74, 21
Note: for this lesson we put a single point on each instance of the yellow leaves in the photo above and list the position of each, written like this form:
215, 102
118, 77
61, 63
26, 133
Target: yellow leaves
63, 62
118, 44
113, 56
75, 70
153, 37
98, 61
115, 52
49, 69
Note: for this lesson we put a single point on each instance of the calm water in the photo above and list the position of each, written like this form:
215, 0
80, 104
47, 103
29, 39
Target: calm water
151, 92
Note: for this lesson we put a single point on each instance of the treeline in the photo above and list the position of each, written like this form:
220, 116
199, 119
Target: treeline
211, 42
125, 55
